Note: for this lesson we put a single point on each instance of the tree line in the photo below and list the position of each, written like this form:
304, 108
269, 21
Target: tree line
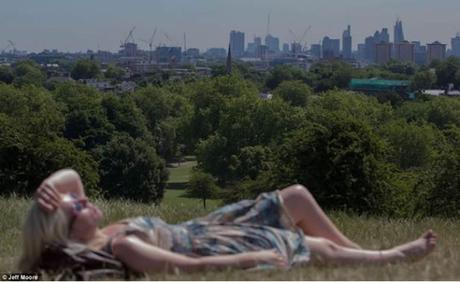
378, 154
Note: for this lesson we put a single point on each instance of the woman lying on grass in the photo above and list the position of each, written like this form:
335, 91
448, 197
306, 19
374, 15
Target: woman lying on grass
279, 229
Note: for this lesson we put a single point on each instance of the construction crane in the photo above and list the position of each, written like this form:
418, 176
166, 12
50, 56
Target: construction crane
130, 36
150, 43
298, 40
169, 39
9, 45
304, 36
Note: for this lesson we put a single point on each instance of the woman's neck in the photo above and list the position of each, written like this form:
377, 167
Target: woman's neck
98, 240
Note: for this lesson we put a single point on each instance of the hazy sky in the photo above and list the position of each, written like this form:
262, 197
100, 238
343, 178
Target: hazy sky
79, 25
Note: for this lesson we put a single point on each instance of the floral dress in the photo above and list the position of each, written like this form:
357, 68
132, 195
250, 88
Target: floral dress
248, 225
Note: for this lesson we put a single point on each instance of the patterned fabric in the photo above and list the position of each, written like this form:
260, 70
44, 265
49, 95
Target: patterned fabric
249, 225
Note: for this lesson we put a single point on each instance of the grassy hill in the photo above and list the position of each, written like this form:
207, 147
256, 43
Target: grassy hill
370, 232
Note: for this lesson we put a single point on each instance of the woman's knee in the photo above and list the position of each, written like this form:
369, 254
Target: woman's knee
325, 249
298, 192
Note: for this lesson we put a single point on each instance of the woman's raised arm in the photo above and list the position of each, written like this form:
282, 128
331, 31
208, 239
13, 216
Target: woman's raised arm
142, 257
50, 192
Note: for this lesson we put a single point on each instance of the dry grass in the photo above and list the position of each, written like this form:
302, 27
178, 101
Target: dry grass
369, 232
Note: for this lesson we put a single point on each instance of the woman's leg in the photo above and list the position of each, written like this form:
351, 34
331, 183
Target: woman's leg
326, 251
308, 215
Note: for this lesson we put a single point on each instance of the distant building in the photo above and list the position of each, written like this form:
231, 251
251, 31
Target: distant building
398, 32
193, 52
285, 48
383, 53
374, 86
216, 53
273, 43
129, 49
296, 48
262, 52
419, 53
237, 43
315, 50
361, 52
371, 42
331, 48
170, 55
347, 43
456, 46
436, 51
405, 52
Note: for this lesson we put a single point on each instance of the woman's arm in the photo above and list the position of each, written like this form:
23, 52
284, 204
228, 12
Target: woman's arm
142, 257
51, 190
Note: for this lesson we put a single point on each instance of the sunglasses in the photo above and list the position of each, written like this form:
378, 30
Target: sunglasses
77, 206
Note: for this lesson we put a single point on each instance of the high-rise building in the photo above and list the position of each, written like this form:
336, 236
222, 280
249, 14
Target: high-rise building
262, 52
456, 45
371, 42
331, 48
361, 52
315, 50
273, 43
420, 53
436, 51
383, 53
166, 54
405, 51
296, 48
237, 43
347, 43
285, 47
398, 32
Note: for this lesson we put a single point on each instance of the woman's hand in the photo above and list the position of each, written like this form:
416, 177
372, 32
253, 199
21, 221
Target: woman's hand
47, 197
271, 257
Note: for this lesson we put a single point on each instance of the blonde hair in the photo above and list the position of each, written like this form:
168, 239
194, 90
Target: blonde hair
39, 229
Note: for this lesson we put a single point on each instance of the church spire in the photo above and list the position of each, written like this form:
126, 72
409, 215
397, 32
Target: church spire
228, 67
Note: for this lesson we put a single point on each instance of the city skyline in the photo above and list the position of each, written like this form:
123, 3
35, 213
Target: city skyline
102, 25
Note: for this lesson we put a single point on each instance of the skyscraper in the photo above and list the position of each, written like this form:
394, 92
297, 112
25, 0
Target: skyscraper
383, 53
273, 43
285, 47
346, 43
237, 43
315, 50
456, 45
405, 51
372, 41
436, 51
331, 48
398, 32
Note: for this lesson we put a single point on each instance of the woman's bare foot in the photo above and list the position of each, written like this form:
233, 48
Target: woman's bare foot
418, 248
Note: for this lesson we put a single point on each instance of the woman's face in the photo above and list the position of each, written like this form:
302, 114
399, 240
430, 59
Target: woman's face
84, 216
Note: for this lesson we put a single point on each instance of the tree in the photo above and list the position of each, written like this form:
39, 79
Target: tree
446, 71
28, 72
86, 121
295, 93
341, 161
6, 74
84, 69
330, 75
131, 169
114, 72
423, 80
31, 143
284, 73
203, 186
412, 145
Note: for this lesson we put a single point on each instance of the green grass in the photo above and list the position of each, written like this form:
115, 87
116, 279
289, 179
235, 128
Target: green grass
369, 232
179, 175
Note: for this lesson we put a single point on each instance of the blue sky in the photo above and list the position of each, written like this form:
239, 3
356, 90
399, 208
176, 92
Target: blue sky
101, 24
